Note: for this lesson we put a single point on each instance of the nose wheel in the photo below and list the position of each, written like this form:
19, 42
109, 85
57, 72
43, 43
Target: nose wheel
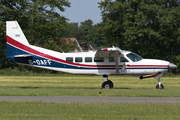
159, 86
107, 84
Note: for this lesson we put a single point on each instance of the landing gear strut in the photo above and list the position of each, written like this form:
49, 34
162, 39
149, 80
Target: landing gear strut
159, 86
107, 84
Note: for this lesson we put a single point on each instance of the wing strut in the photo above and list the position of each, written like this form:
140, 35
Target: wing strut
116, 62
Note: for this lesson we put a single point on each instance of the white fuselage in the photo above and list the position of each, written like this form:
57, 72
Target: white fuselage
141, 67
105, 61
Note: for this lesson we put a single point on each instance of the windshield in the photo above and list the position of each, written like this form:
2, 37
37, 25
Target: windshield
134, 57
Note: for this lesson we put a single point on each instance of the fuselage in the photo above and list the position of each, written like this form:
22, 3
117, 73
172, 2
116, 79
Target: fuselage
105, 61
83, 62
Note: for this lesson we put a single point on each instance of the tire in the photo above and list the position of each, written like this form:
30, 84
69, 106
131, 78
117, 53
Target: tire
160, 87
107, 85
112, 85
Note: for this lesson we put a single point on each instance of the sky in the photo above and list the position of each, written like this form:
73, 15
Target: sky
82, 10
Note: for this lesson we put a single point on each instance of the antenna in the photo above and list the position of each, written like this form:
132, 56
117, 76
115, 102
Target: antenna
91, 47
61, 50
79, 45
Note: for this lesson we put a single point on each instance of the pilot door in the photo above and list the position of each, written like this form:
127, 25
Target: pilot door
124, 65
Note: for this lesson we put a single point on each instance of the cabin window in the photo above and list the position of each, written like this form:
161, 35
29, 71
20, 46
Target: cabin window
78, 59
123, 59
88, 59
134, 57
111, 59
69, 59
98, 59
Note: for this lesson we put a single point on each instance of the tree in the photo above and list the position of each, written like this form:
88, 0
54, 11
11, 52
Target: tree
150, 28
141, 26
37, 18
9, 10
86, 25
73, 31
44, 21
94, 37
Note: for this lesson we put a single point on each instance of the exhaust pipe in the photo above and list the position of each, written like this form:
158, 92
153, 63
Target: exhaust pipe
150, 75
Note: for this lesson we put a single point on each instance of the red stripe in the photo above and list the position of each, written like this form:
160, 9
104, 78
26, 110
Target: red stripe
146, 65
105, 49
30, 50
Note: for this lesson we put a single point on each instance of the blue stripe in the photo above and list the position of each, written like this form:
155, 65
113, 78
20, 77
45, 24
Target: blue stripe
149, 68
40, 61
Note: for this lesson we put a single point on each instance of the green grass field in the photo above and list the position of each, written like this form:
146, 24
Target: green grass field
76, 85
87, 86
58, 111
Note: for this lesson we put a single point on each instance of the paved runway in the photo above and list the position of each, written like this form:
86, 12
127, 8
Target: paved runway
132, 100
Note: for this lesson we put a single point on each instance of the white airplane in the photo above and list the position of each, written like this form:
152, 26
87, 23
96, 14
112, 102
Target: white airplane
105, 62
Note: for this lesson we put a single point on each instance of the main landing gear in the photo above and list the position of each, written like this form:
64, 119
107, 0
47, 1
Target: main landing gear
107, 84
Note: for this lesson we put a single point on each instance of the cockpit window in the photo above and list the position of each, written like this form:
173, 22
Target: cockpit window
134, 57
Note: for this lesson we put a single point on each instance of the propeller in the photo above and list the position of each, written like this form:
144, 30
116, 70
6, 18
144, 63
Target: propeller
170, 68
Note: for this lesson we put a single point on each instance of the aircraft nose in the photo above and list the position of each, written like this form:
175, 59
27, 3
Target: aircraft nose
171, 65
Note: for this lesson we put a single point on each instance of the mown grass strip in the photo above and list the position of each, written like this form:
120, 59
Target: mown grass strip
97, 111
86, 86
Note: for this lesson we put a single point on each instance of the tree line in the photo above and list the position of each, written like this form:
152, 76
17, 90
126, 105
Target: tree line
148, 28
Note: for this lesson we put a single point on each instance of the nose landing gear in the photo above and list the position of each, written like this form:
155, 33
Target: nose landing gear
159, 86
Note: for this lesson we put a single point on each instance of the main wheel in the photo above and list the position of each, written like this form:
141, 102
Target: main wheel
112, 85
159, 86
107, 84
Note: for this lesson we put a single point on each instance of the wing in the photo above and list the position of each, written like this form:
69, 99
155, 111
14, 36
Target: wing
110, 52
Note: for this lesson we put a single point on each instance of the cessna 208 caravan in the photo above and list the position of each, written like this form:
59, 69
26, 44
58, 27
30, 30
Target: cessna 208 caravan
105, 62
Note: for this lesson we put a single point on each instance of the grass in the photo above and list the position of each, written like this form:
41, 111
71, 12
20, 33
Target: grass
52, 111
75, 85
127, 86
17, 72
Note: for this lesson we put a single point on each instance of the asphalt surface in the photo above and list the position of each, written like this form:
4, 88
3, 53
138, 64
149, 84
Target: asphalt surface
131, 100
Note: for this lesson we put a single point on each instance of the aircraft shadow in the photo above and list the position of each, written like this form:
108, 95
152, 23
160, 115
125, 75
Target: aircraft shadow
29, 87
125, 88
